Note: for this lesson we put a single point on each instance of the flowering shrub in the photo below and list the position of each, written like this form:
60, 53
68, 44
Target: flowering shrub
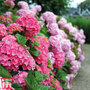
39, 53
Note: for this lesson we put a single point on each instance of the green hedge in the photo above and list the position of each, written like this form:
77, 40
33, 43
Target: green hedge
82, 23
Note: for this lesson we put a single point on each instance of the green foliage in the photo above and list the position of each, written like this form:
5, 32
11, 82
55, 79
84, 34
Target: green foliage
4, 72
33, 50
36, 43
43, 30
14, 17
82, 23
61, 76
35, 77
21, 39
17, 86
56, 6
85, 5
67, 64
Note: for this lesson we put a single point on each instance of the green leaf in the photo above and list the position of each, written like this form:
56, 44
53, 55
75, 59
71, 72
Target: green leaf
21, 39
30, 81
44, 31
36, 43
58, 18
45, 76
39, 76
17, 86
67, 64
42, 87
63, 85
14, 17
35, 77
49, 64
38, 18
40, 34
60, 75
4, 72
34, 52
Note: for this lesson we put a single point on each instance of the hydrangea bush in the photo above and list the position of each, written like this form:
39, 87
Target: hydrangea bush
39, 52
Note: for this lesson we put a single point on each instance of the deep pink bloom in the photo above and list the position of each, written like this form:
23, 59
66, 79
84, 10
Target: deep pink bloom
30, 23
3, 31
20, 78
10, 3
43, 48
14, 27
14, 55
59, 60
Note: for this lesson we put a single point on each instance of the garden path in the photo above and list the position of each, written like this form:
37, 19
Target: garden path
82, 80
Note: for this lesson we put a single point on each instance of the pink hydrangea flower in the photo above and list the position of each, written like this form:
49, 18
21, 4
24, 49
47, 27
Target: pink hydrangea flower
23, 5
62, 22
81, 57
44, 69
75, 66
59, 60
14, 55
53, 29
68, 26
70, 56
55, 42
22, 12
30, 23
3, 31
43, 48
14, 27
66, 45
10, 3
49, 17
38, 8
51, 57
8, 14
62, 34
20, 78
70, 78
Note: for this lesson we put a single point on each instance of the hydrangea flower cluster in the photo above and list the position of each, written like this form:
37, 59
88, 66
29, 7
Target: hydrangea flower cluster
10, 3
60, 42
14, 27
19, 78
24, 9
14, 55
30, 23
5, 20
49, 50
3, 31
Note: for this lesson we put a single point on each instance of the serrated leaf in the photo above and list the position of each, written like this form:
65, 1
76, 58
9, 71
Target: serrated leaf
39, 76
17, 86
42, 87
40, 34
38, 18
21, 39
36, 43
4, 72
34, 52
14, 17
45, 76
44, 31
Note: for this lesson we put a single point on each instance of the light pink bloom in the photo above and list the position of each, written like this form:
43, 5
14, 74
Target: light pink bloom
23, 5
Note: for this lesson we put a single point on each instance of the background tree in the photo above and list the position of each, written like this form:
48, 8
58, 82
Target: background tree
56, 6
85, 5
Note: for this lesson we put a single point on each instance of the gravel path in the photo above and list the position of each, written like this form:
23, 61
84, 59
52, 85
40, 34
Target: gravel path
82, 80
